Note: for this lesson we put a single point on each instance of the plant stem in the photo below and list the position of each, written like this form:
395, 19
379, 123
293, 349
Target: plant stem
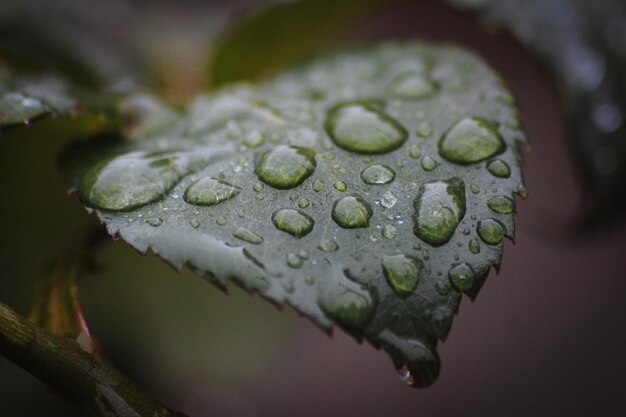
87, 380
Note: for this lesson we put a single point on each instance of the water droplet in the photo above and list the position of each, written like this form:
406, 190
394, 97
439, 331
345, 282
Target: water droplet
248, 236
428, 163
406, 376
389, 231
349, 303
491, 231
501, 204
363, 128
294, 222
351, 212
258, 187
328, 246
424, 129
378, 174
340, 186
419, 358
293, 261
474, 246
499, 168
195, 223
154, 221
471, 139
254, 139
402, 273
285, 166
388, 200
462, 277
221, 221
210, 191
475, 188
318, 185
303, 254
132, 180
513, 124
442, 287
303, 203
413, 86
522, 191
439, 207
415, 151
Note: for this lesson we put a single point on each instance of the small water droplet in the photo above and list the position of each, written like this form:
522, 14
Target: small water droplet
285, 166
221, 221
415, 151
424, 129
351, 212
406, 376
475, 188
318, 185
439, 207
462, 277
389, 231
402, 273
491, 231
209, 192
501, 204
499, 168
254, 139
248, 236
340, 186
154, 221
195, 223
522, 191
328, 246
388, 200
303, 254
303, 203
295, 222
293, 261
413, 86
474, 246
363, 128
378, 174
428, 163
470, 140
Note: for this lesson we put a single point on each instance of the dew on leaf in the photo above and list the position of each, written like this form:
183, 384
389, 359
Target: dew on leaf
328, 246
351, 212
413, 86
470, 140
474, 246
378, 174
303, 203
499, 168
388, 200
293, 260
402, 273
209, 191
424, 129
428, 163
491, 231
439, 207
415, 151
363, 128
285, 166
501, 204
248, 236
340, 186
318, 185
295, 222
461, 277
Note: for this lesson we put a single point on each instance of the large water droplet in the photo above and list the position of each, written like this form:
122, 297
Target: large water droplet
209, 191
402, 273
501, 204
295, 222
439, 207
491, 231
462, 277
349, 303
377, 174
351, 212
285, 166
248, 236
413, 86
499, 168
362, 128
471, 139
132, 180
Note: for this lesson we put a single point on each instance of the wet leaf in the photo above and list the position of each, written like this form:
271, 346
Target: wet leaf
311, 190
279, 35
582, 43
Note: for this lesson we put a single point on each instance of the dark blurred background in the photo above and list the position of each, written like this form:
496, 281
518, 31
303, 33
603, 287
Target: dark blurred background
544, 338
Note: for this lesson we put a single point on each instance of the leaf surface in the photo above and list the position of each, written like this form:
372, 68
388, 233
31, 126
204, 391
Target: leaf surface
367, 189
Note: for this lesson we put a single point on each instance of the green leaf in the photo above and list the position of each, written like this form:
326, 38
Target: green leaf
278, 35
581, 43
337, 188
